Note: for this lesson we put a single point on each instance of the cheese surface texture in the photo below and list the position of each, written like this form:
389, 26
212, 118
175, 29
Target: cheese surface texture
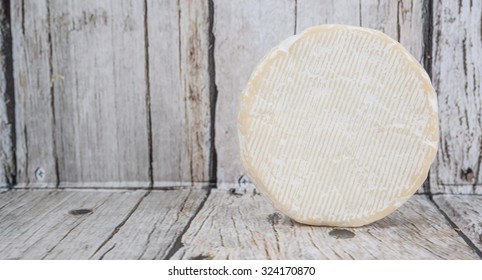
338, 126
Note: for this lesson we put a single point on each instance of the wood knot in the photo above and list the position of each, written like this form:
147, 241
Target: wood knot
468, 174
274, 218
77, 212
202, 257
342, 234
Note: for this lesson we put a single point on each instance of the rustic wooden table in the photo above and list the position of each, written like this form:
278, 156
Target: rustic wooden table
220, 224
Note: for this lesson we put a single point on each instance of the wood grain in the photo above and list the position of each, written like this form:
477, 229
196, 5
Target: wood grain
457, 72
246, 226
466, 212
244, 32
179, 89
36, 155
153, 228
42, 225
99, 89
7, 102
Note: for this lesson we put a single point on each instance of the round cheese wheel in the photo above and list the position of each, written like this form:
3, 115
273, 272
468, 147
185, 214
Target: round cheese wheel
338, 126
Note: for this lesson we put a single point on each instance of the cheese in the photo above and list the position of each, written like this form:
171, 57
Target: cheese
338, 126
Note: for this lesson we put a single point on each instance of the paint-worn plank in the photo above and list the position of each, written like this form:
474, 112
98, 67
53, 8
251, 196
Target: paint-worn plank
248, 227
34, 118
466, 212
41, 224
457, 76
99, 89
178, 33
152, 230
244, 32
7, 109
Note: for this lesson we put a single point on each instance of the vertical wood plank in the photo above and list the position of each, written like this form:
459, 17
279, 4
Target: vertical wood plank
34, 117
244, 31
99, 89
457, 73
7, 104
180, 94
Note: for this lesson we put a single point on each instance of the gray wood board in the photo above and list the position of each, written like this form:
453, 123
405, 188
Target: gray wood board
466, 212
179, 83
246, 226
40, 225
7, 110
99, 90
34, 117
256, 33
152, 230
457, 76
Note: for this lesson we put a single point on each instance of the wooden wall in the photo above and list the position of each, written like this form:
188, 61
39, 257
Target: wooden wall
145, 93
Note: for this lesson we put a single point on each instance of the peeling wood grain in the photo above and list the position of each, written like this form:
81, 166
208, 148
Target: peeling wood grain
244, 31
154, 227
248, 227
466, 212
99, 90
7, 101
180, 92
39, 224
457, 73
34, 119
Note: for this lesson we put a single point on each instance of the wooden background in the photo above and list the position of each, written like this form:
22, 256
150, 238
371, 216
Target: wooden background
139, 94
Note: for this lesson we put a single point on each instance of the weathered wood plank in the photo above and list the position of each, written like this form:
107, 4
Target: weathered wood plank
248, 227
457, 76
99, 89
60, 224
244, 31
7, 109
466, 212
178, 33
34, 118
153, 228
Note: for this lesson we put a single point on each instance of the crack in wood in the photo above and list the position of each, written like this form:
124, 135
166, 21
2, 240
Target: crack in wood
52, 95
467, 240
148, 96
213, 96
177, 245
121, 224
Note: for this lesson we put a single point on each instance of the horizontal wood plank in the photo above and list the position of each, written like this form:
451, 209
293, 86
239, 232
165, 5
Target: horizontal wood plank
60, 224
466, 212
246, 226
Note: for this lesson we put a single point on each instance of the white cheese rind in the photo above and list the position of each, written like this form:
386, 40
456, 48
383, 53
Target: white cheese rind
338, 126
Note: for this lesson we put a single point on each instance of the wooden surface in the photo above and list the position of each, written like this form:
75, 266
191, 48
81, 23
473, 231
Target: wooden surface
145, 93
7, 113
466, 212
217, 224
179, 85
40, 224
36, 154
457, 76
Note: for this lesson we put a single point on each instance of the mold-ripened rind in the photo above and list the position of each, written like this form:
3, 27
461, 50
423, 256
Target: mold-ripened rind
244, 126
